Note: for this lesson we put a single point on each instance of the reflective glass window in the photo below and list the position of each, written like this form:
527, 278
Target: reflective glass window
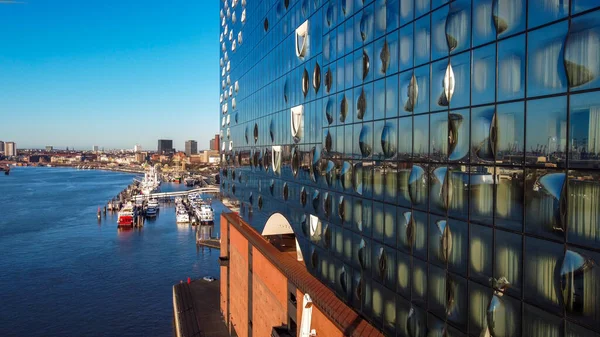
407, 9
546, 73
545, 200
421, 137
482, 194
458, 135
510, 133
584, 208
393, 14
483, 23
509, 198
442, 83
511, 68
583, 5
508, 257
391, 96
404, 272
439, 44
480, 252
439, 136
544, 11
420, 220
405, 137
379, 99
509, 16
404, 172
458, 192
422, 38
461, 73
420, 90
542, 273
419, 281
584, 131
484, 75
406, 47
546, 131
482, 131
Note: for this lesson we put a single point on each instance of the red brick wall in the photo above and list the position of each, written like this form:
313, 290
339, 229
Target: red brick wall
238, 274
319, 321
223, 279
269, 294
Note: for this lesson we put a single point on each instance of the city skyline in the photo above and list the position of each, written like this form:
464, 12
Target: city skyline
112, 76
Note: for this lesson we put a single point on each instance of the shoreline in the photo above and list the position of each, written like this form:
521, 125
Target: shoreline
107, 169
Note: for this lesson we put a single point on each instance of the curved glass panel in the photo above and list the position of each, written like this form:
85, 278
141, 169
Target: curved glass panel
409, 92
417, 185
582, 52
458, 135
509, 16
546, 73
483, 125
388, 140
330, 111
458, 26
578, 279
366, 140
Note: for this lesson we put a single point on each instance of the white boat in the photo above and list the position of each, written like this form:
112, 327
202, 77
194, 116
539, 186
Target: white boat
153, 203
182, 217
151, 182
206, 214
208, 278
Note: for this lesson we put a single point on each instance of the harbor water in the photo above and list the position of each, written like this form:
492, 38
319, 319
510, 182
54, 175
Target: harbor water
64, 273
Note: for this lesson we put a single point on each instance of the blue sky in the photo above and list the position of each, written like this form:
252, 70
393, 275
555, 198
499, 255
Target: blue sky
108, 72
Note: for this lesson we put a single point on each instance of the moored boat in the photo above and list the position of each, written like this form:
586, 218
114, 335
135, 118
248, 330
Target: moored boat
126, 216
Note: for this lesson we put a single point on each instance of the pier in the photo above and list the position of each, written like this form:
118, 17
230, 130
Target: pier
171, 195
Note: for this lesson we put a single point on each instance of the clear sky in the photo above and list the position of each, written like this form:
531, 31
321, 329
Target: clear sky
111, 73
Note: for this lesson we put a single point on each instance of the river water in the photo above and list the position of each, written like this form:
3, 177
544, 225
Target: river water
64, 273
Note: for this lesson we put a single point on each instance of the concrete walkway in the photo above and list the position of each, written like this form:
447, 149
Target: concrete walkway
196, 310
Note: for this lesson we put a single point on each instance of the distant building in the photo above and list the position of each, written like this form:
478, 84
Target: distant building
165, 146
95, 148
1, 146
214, 143
49, 148
10, 149
191, 147
140, 157
137, 148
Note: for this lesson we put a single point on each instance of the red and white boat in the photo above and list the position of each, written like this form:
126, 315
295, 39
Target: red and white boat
126, 216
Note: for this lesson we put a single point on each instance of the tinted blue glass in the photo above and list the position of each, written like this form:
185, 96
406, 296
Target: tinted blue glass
511, 68
439, 44
583, 5
422, 37
483, 26
544, 11
406, 48
484, 75
546, 74
546, 132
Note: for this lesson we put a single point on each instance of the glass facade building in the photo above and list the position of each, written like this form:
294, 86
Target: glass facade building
438, 160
